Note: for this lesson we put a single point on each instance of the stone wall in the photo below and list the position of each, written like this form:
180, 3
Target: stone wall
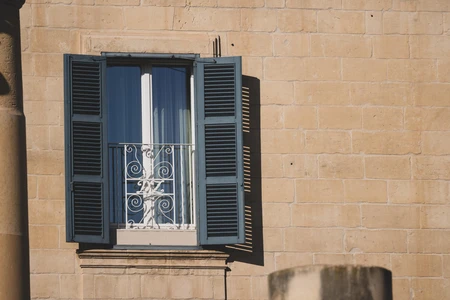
354, 130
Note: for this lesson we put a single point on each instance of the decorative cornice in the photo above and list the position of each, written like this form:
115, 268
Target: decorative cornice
16, 3
154, 259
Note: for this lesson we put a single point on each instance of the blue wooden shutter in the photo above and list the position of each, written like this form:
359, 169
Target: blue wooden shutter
87, 207
220, 179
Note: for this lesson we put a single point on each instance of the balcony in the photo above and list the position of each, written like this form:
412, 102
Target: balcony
152, 187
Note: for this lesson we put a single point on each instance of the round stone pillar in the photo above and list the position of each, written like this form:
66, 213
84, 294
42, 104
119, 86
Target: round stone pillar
331, 283
14, 249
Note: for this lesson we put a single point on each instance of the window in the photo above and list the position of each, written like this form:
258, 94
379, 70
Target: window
154, 149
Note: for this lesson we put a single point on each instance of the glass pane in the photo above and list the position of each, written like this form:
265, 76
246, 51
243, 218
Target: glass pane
172, 126
124, 126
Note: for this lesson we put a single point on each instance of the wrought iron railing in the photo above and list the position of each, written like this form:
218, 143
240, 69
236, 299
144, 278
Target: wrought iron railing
157, 189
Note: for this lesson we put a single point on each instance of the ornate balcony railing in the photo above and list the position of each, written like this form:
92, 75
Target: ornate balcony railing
158, 185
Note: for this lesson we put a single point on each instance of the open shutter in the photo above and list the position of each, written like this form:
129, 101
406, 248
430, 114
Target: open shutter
87, 207
219, 150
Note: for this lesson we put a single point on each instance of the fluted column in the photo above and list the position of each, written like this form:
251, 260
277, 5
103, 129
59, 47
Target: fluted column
14, 249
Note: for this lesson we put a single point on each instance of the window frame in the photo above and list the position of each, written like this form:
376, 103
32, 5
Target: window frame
198, 64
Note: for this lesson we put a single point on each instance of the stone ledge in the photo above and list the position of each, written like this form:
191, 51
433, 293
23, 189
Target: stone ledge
153, 259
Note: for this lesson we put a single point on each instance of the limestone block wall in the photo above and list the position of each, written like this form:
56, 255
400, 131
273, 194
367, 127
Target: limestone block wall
354, 127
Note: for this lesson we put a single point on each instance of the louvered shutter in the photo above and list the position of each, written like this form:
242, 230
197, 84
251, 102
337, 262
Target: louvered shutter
87, 218
220, 178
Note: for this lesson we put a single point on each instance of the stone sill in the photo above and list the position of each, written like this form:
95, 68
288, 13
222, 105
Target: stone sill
153, 259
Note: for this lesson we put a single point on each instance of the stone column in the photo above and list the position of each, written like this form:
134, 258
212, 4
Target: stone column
14, 249
331, 283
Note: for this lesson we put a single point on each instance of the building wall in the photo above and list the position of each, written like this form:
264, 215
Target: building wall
354, 130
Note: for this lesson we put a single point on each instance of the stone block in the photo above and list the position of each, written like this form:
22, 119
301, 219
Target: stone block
323, 69
284, 69
43, 237
333, 259
38, 137
253, 66
386, 94
239, 4
32, 187
207, 19
46, 212
401, 289
443, 70
383, 118
45, 162
249, 44
282, 141
164, 2
70, 286
52, 261
300, 117
42, 112
275, 3
336, 21
375, 241
386, 142
277, 92
321, 4
430, 46
300, 166
363, 69
33, 89
297, 20
390, 216
433, 118
272, 213
341, 46
325, 215
291, 45
418, 191
365, 191
380, 260
284, 260
431, 167
319, 191
416, 265
429, 289
51, 187
271, 165
272, 117
44, 286
436, 142
412, 23
313, 240
341, 166
238, 287
337, 117
273, 239
374, 22
435, 217
322, 93
138, 18
429, 241
391, 46
415, 71
431, 94
278, 190
259, 20
331, 142
367, 5
56, 137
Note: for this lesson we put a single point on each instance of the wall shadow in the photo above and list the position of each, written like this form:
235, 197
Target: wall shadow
252, 251
4, 86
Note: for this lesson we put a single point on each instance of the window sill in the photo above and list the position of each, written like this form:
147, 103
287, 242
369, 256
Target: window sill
153, 259
137, 237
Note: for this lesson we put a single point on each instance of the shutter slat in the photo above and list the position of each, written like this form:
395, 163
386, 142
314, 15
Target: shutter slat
87, 217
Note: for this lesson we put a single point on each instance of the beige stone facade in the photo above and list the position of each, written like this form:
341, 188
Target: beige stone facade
354, 133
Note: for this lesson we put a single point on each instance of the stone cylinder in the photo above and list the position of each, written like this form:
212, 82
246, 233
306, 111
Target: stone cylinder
331, 283
14, 249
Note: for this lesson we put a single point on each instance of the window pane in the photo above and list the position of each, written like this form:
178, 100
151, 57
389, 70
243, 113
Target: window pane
171, 108
124, 126
124, 104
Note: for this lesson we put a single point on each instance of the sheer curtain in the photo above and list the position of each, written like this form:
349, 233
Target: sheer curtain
172, 125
